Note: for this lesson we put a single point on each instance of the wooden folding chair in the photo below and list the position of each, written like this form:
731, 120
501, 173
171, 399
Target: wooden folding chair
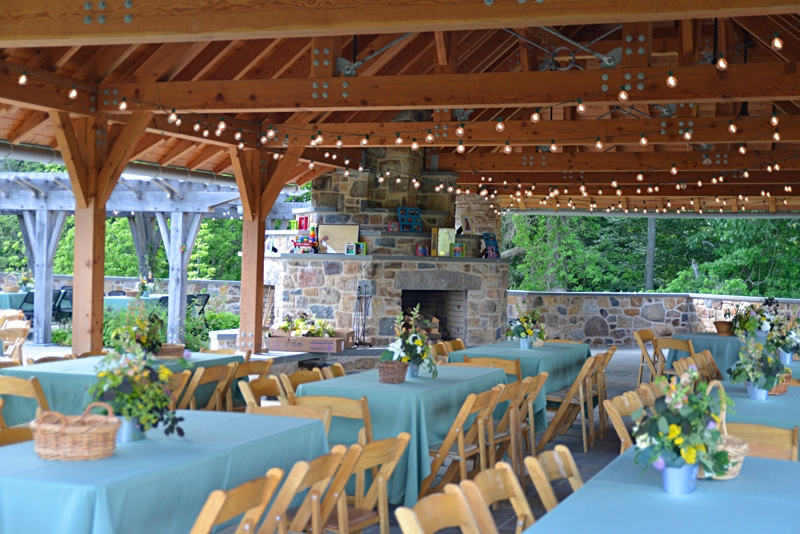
649, 392
372, 506
767, 441
493, 485
313, 476
246, 354
439, 511
347, 408
17, 323
549, 466
648, 360
448, 347
258, 368
4, 363
511, 367
623, 406
682, 365
440, 351
295, 411
250, 499
88, 354
457, 344
462, 444
660, 344
221, 374
21, 387
334, 371
706, 361
15, 434
292, 381
177, 385
527, 411
570, 406
599, 391
504, 434
255, 390
13, 339
47, 359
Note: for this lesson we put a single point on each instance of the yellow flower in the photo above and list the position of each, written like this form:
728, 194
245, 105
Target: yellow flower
164, 373
678, 441
690, 455
101, 374
701, 447
715, 417
529, 331
674, 432
418, 342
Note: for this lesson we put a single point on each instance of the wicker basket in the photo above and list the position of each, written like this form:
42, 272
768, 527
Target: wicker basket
132, 294
736, 448
76, 437
170, 350
783, 387
392, 372
724, 328
10, 285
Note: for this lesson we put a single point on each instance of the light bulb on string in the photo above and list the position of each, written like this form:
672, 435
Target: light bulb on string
460, 148
639, 177
643, 140
623, 95
732, 127
414, 145
673, 170
339, 143
776, 43
178, 121
360, 167
507, 148
649, 189
123, 105
73, 93
270, 132
346, 172
687, 135
398, 140
613, 183
655, 189
311, 164
221, 125
319, 139
581, 107
365, 140
346, 161
196, 127
218, 132
776, 136
599, 144
699, 183
553, 146
774, 120
172, 117
416, 185
672, 81
619, 192
742, 149
500, 126
240, 145
23, 78
263, 139
535, 116
776, 167
769, 168
460, 130
397, 180
746, 174
276, 156
722, 63
206, 132
429, 137
638, 191
237, 135
313, 141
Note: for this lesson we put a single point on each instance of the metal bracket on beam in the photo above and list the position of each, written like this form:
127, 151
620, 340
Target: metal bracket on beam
348, 68
35, 191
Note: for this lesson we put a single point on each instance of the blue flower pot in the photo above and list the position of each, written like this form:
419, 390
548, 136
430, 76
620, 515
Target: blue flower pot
412, 371
524, 342
761, 336
785, 357
756, 393
680, 480
130, 430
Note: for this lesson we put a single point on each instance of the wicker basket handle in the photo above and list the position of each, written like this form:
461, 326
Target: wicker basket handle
55, 417
107, 407
722, 406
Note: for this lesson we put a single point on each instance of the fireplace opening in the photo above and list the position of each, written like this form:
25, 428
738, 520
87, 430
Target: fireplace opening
446, 311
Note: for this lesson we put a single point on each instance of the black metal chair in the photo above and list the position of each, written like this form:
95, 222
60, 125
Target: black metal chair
163, 302
66, 287
189, 300
116, 293
57, 294
200, 301
64, 310
26, 306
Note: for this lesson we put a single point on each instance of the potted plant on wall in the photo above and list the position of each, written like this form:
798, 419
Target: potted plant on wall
411, 347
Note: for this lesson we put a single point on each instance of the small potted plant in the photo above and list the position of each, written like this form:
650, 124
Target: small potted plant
784, 339
410, 346
26, 281
527, 329
759, 371
680, 434
136, 388
306, 326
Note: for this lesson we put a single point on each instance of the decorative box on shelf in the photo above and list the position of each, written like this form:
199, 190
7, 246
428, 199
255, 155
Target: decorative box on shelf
282, 341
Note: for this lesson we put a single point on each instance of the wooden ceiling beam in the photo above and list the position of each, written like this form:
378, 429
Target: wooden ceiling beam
103, 62
697, 84
244, 59
32, 125
181, 148
204, 156
147, 142
34, 24
205, 61
158, 63
43, 91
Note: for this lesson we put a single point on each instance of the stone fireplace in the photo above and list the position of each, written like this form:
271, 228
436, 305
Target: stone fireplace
446, 309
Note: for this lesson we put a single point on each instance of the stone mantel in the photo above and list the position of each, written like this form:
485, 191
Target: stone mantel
385, 257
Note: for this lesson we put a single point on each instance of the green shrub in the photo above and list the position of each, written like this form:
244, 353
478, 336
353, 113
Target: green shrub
222, 320
62, 336
195, 332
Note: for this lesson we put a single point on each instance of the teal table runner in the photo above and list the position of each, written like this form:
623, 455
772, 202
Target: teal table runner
724, 349
422, 406
11, 301
631, 494
562, 361
66, 384
157, 485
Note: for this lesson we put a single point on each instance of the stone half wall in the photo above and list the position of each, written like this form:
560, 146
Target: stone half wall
328, 287
611, 318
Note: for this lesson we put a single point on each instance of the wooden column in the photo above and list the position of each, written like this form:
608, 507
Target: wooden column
95, 162
179, 237
44, 229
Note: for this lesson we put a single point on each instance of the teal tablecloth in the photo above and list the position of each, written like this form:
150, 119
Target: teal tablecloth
66, 384
157, 485
422, 406
778, 410
764, 497
120, 303
724, 349
11, 301
562, 361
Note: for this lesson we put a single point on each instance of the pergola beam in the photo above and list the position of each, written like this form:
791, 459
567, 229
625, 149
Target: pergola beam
34, 23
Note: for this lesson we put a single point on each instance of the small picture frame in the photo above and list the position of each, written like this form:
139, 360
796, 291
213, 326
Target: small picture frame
393, 227
292, 225
492, 252
466, 225
302, 222
350, 249
457, 250
361, 249
422, 250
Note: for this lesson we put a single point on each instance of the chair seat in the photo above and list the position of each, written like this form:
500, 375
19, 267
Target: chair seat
500, 436
469, 448
357, 519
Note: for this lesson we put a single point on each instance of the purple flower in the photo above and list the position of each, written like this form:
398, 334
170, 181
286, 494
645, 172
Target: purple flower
711, 425
693, 367
660, 464
187, 355
752, 313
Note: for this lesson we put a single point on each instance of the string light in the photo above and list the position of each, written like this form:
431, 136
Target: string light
639, 177
206, 132
218, 132
429, 137
500, 127
507, 148
459, 130
581, 108
722, 63
365, 140
535, 117
553, 146
360, 167
414, 145
397, 180
311, 164
687, 135
774, 120
673, 170
196, 126
240, 145
398, 140
613, 183
339, 142
732, 127
769, 168
23, 78
746, 174
123, 105
237, 135
599, 144
460, 148
380, 178
776, 136
623, 95
742, 149
263, 139
276, 156
619, 192
222, 125
172, 117
643, 140
270, 132
178, 121
776, 167
672, 81
777, 42
346, 172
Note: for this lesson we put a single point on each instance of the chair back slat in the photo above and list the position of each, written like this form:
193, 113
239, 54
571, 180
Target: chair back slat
549, 466
439, 511
269, 386
499, 483
295, 411
510, 367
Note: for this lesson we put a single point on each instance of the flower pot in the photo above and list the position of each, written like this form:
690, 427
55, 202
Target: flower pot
761, 336
130, 430
412, 371
145, 294
756, 393
680, 480
724, 328
524, 342
785, 357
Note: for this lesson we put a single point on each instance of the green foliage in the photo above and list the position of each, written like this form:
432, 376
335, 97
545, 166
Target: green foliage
222, 320
755, 366
196, 332
303, 196
62, 336
15, 165
215, 255
12, 249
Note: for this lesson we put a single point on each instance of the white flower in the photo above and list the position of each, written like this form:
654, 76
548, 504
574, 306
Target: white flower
765, 326
397, 349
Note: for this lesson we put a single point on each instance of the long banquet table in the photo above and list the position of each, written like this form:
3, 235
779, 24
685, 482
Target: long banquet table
65, 384
11, 301
423, 406
763, 498
562, 362
157, 485
778, 410
724, 349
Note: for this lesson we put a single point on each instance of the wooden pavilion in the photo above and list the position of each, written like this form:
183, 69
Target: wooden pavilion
554, 104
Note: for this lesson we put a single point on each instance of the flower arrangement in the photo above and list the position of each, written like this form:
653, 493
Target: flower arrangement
143, 331
785, 335
411, 345
138, 390
526, 325
26, 280
682, 427
754, 366
755, 317
147, 285
306, 326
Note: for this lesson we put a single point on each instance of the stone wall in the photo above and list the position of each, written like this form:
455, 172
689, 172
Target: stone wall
484, 219
611, 318
328, 288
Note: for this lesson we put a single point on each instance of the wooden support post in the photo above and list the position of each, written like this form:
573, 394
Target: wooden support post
26, 239
146, 240
446, 63
87, 300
